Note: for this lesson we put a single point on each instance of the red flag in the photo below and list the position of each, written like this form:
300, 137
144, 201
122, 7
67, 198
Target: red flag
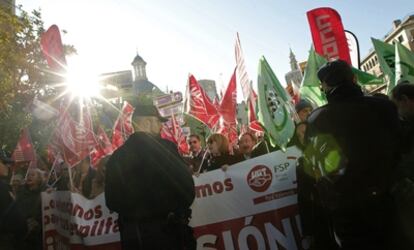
123, 126
24, 150
166, 133
173, 132
328, 34
52, 48
241, 70
179, 137
101, 149
51, 153
253, 122
227, 110
199, 105
64, 139
74, 139
228, 104
293, 91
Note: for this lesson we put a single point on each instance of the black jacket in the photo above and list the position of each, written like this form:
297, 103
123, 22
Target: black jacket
366, 132
216, 162
12, 224
146, 179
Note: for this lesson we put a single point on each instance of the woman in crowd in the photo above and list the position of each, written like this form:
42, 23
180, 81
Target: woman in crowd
220, 157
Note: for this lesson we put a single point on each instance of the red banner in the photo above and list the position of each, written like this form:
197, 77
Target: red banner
199, 105
123, 126
328, 34
24, 150
52, 48
101, 149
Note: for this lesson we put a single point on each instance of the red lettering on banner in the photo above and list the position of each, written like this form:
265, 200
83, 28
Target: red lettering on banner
328, 34
98, 212
329, 45
217, 187
269, 230
274, 196
88, 214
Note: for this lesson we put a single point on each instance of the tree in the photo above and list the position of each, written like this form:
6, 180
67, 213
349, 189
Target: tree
23, 73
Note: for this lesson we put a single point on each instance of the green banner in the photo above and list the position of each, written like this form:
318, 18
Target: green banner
310, 87
404, 64
386, 58
275, 107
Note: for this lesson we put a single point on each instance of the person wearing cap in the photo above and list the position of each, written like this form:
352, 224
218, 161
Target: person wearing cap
148, 184
351, 152
303, 109
12, 225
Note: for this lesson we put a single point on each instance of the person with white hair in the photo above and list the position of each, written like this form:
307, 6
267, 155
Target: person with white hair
29, 203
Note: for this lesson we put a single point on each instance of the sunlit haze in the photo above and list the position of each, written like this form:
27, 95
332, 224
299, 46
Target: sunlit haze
81, 80
195, 36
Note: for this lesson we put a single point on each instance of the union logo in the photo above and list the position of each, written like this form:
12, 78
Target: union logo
259, 178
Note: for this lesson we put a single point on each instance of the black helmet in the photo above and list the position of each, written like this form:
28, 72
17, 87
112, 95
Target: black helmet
336, 73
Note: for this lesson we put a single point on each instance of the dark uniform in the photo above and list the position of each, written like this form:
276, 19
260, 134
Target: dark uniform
148, 184
355, 140
13, 227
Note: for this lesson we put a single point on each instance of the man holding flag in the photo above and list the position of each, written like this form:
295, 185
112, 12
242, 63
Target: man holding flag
352, 147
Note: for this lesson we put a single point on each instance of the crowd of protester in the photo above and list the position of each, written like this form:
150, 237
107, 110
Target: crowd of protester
20, 207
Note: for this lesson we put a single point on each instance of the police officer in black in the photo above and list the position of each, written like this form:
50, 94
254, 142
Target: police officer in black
150, 187
349, 162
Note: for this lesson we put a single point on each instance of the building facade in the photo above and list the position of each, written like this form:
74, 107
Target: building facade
130, 84
295, 75
403, 32
209, 87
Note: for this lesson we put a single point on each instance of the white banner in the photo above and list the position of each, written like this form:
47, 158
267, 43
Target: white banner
71, 221
253, 205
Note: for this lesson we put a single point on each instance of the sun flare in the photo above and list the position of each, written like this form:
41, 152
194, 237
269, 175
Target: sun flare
82, 83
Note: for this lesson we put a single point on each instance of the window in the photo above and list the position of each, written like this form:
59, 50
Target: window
401, 38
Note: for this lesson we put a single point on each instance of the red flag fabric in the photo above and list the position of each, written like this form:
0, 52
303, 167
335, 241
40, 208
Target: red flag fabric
123, 126
52, 48
101, 149
227, 110
253, 122
51, 153
241, 70
172, 131
199, 105
293, 91
24, 150
228, 104
179, 137
166, 133
328, 34
74, 139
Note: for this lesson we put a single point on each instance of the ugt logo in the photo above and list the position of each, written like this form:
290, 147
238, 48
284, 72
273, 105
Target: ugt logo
259, 178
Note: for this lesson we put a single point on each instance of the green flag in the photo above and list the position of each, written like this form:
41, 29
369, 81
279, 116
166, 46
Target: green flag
364, 78
310, 87
404, 64
386, 58
275, 107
